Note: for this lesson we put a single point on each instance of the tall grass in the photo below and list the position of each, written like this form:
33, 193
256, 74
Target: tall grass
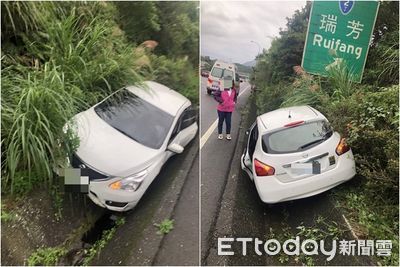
23, 16
88, 54
340, 80
70, 61
177, 74
306, 92
390, 63
34, 109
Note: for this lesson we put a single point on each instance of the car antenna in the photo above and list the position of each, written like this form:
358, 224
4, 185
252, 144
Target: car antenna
289, 115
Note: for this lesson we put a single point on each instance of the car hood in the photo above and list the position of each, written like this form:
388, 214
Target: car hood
107, 150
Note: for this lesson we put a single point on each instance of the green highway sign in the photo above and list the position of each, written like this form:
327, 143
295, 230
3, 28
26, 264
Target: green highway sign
338, 32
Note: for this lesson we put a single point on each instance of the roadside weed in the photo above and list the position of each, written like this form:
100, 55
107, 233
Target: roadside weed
46, 256
57, 202
107, 235
165, 226
6, 216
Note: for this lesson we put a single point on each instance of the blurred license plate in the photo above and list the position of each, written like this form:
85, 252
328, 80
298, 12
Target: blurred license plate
215, 85
306, 168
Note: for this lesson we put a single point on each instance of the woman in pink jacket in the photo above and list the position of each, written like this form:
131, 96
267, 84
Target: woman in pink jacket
227, 100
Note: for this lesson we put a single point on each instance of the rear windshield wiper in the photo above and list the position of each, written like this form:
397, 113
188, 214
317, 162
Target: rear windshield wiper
311, 143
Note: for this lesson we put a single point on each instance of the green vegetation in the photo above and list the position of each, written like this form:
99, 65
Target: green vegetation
174, 26
58, 199
322, 229
59, 58
367, 114
165, 226
46, 256
52, 255
6, 216
106, 236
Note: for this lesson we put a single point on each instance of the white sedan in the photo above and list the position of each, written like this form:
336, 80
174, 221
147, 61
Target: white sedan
126, 139
294, 153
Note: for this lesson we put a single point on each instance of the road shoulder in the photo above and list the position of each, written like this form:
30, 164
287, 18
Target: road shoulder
223, 225
137, 241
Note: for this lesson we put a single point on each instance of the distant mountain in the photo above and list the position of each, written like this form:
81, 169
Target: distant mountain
242, 68
251, 63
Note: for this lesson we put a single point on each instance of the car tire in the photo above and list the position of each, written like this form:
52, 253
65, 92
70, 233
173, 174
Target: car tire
208, 92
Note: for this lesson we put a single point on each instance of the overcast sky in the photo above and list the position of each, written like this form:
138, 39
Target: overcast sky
228, 27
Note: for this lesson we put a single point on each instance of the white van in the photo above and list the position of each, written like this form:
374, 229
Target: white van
219, 71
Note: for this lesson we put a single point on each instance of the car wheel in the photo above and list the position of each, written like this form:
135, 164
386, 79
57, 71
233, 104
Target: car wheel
208, 92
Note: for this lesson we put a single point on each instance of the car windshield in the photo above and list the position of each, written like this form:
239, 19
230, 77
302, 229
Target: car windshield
296, 139
135, 118
217, 72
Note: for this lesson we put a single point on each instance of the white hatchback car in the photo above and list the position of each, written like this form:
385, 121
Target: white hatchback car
293, 153
126, 139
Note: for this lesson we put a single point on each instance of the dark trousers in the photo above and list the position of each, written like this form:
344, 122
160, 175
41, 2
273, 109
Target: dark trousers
227, 116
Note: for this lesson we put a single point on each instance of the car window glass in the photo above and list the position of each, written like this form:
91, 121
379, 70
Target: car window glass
217, 72
228, 73
135, 118
188, 118
253, 140
296, 139
176, 130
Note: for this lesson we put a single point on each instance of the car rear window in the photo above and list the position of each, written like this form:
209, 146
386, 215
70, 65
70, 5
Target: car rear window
296, 139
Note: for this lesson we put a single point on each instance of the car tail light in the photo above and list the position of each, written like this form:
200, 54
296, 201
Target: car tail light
263, 169
342, 147
209, 80
292, 124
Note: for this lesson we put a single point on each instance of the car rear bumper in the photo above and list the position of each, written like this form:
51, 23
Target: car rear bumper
271, 190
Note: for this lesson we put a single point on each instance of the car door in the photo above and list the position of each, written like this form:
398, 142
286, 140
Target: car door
247, 159
188, 126
185, 129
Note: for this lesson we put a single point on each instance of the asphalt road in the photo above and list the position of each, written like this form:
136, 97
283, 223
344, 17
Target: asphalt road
181, 246
216, 158
172, 195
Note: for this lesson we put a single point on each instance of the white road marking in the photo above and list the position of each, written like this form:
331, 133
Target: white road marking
210, 130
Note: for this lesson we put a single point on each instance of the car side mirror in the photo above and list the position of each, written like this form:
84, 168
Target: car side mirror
176, 148
241, 81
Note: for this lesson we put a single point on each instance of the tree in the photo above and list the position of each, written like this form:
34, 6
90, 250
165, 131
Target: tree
139, 20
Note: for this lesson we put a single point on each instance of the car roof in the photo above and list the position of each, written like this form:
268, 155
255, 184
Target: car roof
280, 117
224, 65
160, 96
